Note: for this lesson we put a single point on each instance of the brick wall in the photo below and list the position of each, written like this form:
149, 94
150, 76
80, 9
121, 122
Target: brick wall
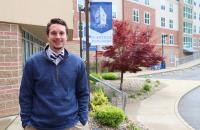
73, 47
10, 68
128, 8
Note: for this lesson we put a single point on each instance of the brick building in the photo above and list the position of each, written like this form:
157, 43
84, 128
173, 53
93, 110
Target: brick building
22, 33
176, 24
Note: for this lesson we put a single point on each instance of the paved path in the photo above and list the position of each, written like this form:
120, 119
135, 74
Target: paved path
192, 73
189, 108
159, 111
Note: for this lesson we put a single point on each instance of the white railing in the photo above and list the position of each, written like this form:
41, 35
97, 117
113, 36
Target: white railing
118, 98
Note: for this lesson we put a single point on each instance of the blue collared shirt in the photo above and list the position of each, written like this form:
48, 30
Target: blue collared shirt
56, 58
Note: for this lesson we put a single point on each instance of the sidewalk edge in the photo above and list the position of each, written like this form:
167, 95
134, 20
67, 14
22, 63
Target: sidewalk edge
177, 112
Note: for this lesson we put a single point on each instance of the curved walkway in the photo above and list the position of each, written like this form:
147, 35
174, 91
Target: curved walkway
189, 108
160, 111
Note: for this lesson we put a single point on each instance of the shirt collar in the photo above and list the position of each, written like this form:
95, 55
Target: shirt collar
50, 51
54, 56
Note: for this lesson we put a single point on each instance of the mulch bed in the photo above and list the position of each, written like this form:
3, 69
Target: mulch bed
130, 86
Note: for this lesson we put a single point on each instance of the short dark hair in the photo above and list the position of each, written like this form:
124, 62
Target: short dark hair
56, 21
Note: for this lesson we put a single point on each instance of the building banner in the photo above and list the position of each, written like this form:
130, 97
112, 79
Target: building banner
100, 23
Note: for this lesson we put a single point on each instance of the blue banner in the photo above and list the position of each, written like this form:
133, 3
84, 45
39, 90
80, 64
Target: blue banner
101, 23
92, 47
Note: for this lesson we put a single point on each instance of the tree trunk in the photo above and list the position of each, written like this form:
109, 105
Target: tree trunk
121, 83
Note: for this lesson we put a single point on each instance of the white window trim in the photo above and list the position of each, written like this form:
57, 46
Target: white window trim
161, 22
165, 39
199, 43
171, 7
170, 39
171, 24
148, 2
138, 15
149, 18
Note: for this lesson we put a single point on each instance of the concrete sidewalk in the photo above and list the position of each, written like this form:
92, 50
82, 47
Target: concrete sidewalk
160, 111
174, 69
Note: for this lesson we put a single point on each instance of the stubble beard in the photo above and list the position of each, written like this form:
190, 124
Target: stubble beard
58, 48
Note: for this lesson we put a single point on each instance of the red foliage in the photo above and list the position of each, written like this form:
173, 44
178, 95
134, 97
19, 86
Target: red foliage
131, 49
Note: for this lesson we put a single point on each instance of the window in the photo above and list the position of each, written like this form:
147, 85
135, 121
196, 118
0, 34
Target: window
187, 42
199, 43
195, 3
170, 7
162, 7
114, 12
171, 39
31, 44
162, 22
136, 15
163, 38
114, 15
187, 12
147, 18
199, 30
199, 16
170, 23
195, 29
187, 27
195, 15
146, 2
188, 2
194, 42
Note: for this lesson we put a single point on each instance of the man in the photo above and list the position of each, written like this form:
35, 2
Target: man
54, 92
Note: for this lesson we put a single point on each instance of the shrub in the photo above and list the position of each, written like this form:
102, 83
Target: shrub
109, 115
132, 126
147, 87
157, 83
98, 99
94, 87
110, 76
148, 80
132, 96
97, 75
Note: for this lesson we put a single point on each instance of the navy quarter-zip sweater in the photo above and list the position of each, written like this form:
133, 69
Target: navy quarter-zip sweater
54, 97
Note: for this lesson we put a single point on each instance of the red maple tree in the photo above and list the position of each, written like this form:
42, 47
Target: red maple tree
131, 49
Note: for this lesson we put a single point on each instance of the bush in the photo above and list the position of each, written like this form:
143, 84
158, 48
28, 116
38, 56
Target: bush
147, 87
148, 80
98, 99
132, 126
97, 75
157, 83
110, 76
109, 115
94, 87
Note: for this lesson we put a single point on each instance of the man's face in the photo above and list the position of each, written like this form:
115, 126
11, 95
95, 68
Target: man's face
57, 37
